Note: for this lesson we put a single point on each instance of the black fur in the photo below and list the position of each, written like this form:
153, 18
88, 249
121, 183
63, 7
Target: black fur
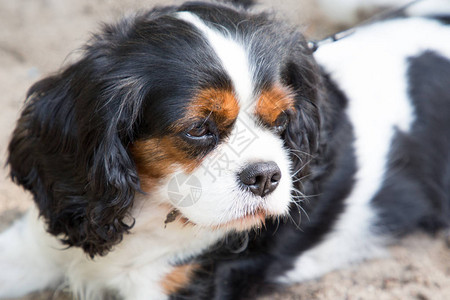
70, 147
417, 189
414, 195
71, 144
270, 253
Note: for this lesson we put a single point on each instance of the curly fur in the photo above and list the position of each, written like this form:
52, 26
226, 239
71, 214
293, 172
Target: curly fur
71, 144
98, 143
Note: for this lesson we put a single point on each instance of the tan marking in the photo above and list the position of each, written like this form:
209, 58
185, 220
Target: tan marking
157, 158
218, 104
178, 278
273, 102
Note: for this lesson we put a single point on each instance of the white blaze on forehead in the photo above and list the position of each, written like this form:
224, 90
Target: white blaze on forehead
222, 197
232, 55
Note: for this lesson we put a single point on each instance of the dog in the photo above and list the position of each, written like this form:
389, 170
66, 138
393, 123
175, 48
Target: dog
205, 151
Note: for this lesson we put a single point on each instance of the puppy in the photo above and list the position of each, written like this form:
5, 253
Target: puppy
202, 151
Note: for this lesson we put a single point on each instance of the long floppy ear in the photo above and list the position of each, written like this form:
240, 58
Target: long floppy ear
301, 74
70, 150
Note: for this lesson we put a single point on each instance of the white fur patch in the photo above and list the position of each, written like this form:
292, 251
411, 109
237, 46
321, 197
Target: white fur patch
232, 55
136, 265
429, 8
370, 67
24, 260
221, 199
35, 260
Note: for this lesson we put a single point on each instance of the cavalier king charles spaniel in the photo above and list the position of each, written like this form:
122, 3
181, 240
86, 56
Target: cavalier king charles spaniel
203, 151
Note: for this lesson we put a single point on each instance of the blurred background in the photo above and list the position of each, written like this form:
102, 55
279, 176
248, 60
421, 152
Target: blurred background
37, 37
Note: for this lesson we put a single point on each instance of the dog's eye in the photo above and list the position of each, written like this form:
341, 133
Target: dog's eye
201, 130
201, 137
198, 130
280, 124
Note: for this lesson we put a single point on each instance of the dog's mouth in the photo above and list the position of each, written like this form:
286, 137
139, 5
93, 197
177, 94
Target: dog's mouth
253, 219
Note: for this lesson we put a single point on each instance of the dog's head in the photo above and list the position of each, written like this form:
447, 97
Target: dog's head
204, 108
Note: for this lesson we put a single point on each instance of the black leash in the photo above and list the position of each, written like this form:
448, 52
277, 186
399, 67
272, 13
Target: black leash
385, 15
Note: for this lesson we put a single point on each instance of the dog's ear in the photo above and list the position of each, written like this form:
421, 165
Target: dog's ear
301, 75
70, 149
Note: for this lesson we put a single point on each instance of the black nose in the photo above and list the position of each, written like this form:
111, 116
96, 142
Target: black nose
261, 178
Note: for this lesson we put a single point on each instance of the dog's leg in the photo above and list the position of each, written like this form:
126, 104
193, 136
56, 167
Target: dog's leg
28, 258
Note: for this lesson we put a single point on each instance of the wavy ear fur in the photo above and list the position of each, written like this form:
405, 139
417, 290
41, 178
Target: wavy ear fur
302, 75
70, 150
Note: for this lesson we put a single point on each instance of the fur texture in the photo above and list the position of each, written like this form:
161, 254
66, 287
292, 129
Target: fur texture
135, 153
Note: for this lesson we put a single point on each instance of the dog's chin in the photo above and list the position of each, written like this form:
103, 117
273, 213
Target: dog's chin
249, 221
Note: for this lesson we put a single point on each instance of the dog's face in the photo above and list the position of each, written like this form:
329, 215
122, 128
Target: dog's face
206, 109
220, 164
221, 160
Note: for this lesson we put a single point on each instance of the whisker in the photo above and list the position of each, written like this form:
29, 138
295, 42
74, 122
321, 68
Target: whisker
302, 167
296, 155
293, 221
301, 178
278, 225
210, 113
300, 210
302, 152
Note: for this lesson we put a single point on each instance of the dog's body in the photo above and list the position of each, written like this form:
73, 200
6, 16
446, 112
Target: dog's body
361, 143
